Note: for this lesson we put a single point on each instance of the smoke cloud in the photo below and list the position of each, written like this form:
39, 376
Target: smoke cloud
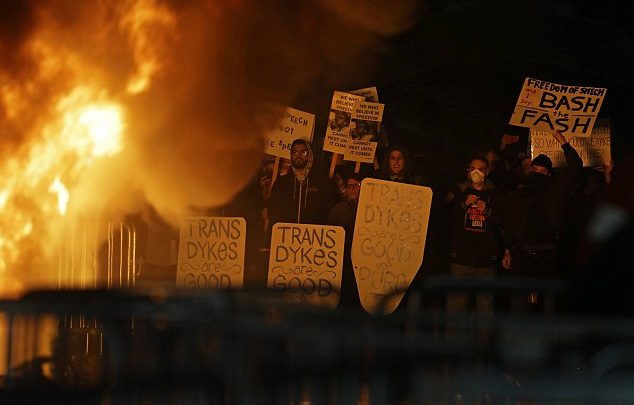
190, 79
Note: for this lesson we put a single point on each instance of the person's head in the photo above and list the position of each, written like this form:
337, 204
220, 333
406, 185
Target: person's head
353, 186
478, 169
396, 163
341, 174
300, 154
542, 165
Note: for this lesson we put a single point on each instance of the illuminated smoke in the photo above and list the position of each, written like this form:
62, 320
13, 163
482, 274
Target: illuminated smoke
109, 105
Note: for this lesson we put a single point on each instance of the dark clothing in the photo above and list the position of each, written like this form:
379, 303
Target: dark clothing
537, 214
344, 214
476, 237
312, 199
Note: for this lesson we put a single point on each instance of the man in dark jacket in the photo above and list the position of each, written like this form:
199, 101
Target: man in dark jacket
537, 215
476, 234
302, 195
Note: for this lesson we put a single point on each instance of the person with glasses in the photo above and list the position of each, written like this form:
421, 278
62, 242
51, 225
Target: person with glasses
344, 214
303, 195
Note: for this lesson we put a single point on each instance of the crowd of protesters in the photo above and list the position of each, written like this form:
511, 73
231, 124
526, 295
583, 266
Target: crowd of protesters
510, 216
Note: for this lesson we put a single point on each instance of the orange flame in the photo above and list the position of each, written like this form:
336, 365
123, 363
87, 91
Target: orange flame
68, 111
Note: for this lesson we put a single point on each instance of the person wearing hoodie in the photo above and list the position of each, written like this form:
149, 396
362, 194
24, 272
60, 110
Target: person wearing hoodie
476, 241
303, 195
536, 219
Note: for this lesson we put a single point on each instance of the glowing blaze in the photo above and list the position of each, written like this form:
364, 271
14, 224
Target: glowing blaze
140, 22
58, 188
103, 126
66, 110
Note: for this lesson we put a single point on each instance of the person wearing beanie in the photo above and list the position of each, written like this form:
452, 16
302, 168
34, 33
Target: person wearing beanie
536, 220
542, 164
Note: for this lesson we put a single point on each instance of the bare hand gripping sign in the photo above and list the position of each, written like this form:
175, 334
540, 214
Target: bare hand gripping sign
306, 262
389, 241
547, 106
211, 253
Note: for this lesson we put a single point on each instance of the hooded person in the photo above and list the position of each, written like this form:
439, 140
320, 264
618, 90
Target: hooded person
303, 195
537, 211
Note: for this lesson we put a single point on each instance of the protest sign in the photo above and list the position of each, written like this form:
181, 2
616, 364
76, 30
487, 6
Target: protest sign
294, 124
594, 150
211, 253
364, 130
338, 130
360, 151
546, 106
306, 263
369, 93
389, 241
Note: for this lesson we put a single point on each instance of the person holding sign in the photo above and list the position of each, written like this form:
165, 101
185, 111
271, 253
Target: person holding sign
536, 218
302, 195
476, 235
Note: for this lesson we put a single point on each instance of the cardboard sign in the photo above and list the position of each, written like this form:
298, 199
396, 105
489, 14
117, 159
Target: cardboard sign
364, 131
306, 262
295, 124
370, 94
389, 241
338, 130
211, 253
594, 150
546, 106
361, 151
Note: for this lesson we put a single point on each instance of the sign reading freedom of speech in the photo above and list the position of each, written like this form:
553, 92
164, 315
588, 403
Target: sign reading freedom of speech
306, 262
547, 106
338, 130
211, 253
295, 124
594, 150
389, 241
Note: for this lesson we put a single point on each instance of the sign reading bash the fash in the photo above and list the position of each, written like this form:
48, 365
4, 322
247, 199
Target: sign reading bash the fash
547, 106
338, 130
211, 253
295, 124
306, 262
594, 150
389, 241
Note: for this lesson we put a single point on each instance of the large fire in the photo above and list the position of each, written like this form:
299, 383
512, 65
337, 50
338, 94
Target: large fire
79, 120
109, 106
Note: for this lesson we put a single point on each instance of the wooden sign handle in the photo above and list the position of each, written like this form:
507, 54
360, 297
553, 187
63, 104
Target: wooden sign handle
276, 169
357, 167
333, 164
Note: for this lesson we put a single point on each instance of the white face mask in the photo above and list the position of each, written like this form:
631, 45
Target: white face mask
476, 176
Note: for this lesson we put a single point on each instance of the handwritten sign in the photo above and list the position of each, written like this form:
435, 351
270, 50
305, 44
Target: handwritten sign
295, 124
389, 241
594, 150
211, 253
306, 262
338, 130
546, 106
